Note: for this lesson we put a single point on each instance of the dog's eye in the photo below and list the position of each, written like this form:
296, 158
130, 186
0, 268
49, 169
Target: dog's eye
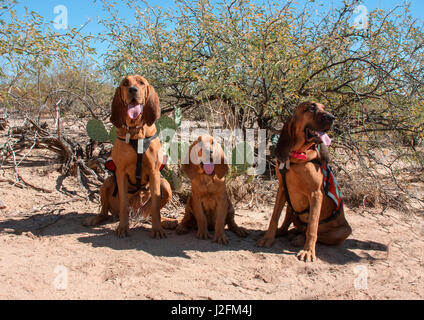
141, 82
125, 83
312, 108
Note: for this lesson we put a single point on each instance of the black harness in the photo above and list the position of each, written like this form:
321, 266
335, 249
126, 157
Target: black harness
283, 172
140, 146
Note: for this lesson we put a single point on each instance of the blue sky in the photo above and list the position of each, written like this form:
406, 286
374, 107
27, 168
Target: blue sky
81, 10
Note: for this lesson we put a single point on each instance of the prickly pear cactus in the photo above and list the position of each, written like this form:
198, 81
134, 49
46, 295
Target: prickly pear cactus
242, 157
112, 134
173, 179
165, 122
178, 115
96, 130
274, 141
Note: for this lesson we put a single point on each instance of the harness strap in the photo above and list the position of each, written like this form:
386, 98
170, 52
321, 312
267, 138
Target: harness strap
283, 173
140, 146
138, 170
335, 213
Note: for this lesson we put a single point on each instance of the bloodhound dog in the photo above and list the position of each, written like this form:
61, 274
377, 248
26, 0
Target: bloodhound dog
316, 216
209, 206
137, 155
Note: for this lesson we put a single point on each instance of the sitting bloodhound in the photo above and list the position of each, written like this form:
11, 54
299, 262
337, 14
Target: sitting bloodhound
138, 157
307, 184
209, 205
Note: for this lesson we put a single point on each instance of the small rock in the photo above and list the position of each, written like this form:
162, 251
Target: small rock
29, 234
267, 278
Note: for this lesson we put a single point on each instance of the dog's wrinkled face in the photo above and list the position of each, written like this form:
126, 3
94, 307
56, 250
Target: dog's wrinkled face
307, 127
312, 121
205, 157
134, 90
134, 98
206, 154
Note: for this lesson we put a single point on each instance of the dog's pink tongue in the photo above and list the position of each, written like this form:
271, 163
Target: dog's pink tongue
325, 139
208, 167
134, 111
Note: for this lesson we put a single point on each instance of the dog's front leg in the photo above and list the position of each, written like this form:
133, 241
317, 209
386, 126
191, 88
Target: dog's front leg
308, 252
221, 215
202, 224
154, 182
123, 227
240, 231
269, 236
288, 219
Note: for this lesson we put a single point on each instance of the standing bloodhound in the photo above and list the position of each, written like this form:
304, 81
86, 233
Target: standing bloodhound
304, 183
137, 155
209, 206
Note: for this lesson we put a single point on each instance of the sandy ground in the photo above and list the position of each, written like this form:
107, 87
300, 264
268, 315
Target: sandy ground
46, 253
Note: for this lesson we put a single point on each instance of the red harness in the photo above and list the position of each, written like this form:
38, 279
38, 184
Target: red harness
331, 190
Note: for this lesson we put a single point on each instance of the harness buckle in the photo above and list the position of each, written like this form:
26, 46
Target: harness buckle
140, 146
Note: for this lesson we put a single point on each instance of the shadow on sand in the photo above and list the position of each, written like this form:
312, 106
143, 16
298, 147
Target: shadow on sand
51, 225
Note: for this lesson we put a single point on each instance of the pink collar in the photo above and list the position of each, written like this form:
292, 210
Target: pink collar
298, 155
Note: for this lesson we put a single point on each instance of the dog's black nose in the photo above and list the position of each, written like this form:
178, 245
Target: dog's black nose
133, 89
329, 117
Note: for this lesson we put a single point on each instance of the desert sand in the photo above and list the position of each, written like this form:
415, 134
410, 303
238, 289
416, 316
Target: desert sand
47, 253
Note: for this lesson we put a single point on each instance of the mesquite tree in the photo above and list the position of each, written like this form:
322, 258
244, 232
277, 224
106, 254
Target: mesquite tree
257, 60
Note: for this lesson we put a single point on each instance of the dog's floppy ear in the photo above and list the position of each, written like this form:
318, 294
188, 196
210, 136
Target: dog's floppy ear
323, 154
151, 110
286, 141
189, 168
118, 109
220, 167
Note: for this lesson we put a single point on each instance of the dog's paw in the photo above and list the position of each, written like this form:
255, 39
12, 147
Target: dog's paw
122, 231
203, 234
158, 233
306, 255
181, 229
220, 238
266, 241
93, 221
169, 224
